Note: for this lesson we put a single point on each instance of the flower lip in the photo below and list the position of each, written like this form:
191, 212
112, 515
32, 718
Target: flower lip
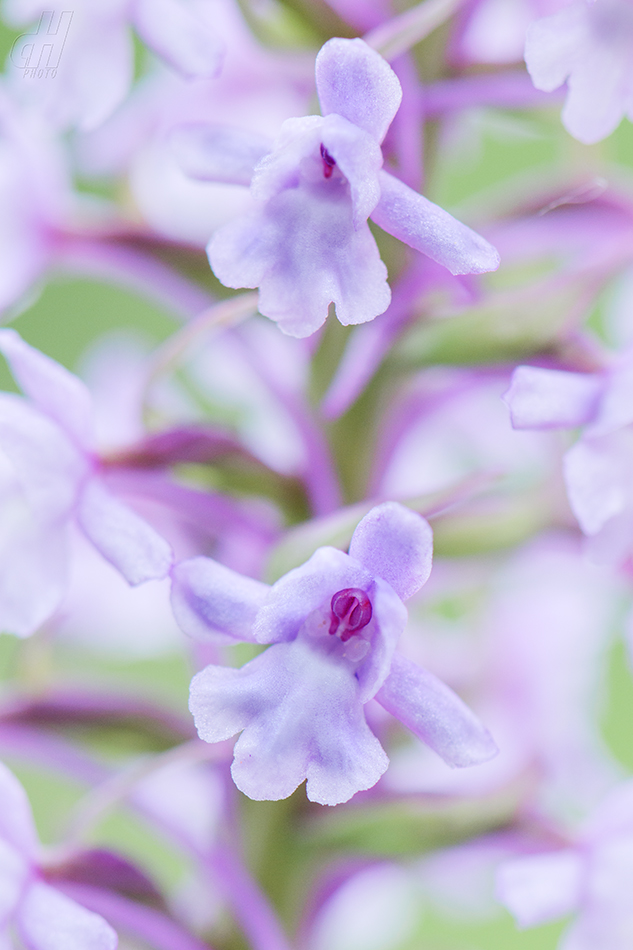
351, 610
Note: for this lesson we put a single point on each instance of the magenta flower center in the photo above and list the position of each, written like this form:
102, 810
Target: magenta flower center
328, 162
351, 611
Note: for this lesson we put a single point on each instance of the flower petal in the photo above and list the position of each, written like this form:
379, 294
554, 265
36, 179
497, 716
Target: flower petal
211, 601
354, 81
49, 920
383, 633
435, 714
218, 152
551, 45
541, 887
581, 42
56, 392
95, 71
359, 157
295, 149
594, 110
183, 39
33, 572
616, 405
425, 226
613, 817
95, 75
302, 718
16, 819
597, 480
39, 459
548, 398
223, 700
14, 874
124, 539
396, 544
303, 252
304, 589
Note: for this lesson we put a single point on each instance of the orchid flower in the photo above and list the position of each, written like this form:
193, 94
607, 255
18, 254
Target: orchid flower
591, 877
78, 64
44, 917
333, 625
306, 243
50, 480
589, 44
598, 467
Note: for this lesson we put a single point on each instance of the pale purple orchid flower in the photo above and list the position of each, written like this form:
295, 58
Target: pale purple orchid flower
50, 479
35, 195
257, 89
449, 426
591, 878
527, 639
334, 624
598, 468
378, 907
589, 44
306, 243
493, 31
43, 916
382, 905
78, 63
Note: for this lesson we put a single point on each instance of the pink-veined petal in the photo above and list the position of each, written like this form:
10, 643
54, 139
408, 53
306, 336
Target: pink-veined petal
435, 714
124, 538
354, 81
427, 228
212, 602
396, 544
548, 398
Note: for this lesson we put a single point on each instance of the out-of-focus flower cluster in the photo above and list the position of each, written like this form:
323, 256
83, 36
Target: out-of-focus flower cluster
316, 455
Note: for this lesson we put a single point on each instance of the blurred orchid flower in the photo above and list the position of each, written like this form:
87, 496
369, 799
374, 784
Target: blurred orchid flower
78, 65
585, 40
49, 478
598, 467
591, 877
42, 915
